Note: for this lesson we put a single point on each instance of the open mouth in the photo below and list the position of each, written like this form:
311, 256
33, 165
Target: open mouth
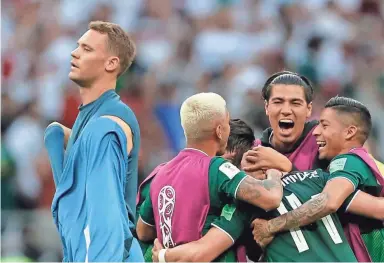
286, 124
73, 65
321, 144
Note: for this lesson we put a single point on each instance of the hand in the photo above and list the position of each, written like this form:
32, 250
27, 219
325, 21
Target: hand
260, 232
274, 174
155, 250
263, 158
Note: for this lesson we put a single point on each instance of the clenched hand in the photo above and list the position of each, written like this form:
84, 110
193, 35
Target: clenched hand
260, 232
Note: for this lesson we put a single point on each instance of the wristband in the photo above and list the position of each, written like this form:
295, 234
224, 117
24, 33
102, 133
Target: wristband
162, 255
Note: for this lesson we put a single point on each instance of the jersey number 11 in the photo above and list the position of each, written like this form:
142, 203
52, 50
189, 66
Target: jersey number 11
296, 233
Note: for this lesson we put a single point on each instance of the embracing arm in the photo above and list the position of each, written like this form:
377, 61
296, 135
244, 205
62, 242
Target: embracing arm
327, 202
206, 249
145, 228
367, 205
145, 231
263, 158
265, 194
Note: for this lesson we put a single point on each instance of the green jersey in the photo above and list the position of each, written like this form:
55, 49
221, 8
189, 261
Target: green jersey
224, 179
322, 241
146, 247
354, 169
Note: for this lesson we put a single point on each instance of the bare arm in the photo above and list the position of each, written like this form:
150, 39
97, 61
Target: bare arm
206, 249
329, 201
266, 193
367, 205
145, 232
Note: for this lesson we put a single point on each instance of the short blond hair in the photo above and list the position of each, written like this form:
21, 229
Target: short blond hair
119, 42
199, 114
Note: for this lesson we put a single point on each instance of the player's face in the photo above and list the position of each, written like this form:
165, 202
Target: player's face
329, 134
89, 58
224, 131
287, 111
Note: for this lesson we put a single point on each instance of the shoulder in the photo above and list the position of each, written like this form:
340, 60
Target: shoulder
220, 165
100, 129
347, 162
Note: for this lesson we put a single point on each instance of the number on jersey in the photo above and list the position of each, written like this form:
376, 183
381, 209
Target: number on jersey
297, 234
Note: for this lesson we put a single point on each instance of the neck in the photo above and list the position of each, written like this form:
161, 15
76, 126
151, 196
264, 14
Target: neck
208, 147
349, 146
94, 91
281, 146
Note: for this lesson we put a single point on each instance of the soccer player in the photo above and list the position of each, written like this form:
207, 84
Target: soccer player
344, 127
96, 179
322, 241
240, 140
188, 193
288, 145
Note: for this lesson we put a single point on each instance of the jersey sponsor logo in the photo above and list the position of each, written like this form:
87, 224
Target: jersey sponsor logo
229, 170
337, 165
298, 176
166, 206
228, 211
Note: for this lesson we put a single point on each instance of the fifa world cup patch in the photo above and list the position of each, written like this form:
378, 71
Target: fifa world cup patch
228, 211
229, 170
337, 165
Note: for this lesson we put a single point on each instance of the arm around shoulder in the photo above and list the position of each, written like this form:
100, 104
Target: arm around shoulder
266, 194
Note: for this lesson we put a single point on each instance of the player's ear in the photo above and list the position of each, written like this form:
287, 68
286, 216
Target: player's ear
309, 113
350, 132
266, 107
219, 131
112, 64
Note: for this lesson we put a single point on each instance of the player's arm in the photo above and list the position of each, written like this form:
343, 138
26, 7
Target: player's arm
145, 227
343, 181
224, 231
367, 205
127, 130
263, 158
265, 194
67, 131
206, 249
105, 227
54, 141
325, 203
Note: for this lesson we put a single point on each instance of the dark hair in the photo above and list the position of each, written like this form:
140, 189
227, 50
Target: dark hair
241, 138
358, 110
288, 78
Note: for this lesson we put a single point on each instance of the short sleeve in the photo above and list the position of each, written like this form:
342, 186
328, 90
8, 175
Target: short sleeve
228, 176
232, 221
350, 167
146, 211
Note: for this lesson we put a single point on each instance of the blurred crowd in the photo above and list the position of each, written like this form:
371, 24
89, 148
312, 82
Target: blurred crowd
184, 46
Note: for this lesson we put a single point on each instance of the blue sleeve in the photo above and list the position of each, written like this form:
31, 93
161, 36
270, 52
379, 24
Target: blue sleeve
106, 213
54, 143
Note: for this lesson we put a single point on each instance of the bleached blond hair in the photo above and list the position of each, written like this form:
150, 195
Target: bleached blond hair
200, 114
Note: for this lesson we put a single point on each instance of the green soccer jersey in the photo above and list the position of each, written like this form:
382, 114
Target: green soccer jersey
146, 247
354, 169
224, 179
322, 241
